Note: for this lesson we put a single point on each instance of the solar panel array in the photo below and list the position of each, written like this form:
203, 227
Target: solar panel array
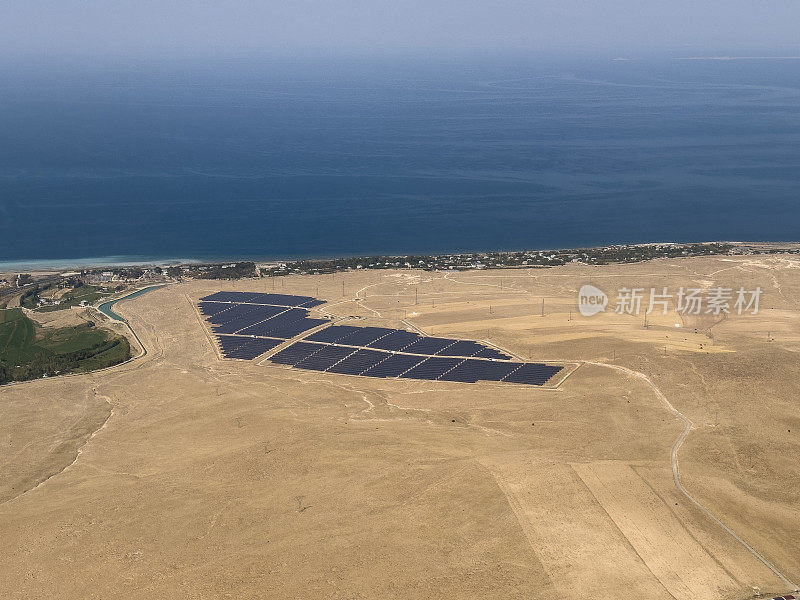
406, 341
234, 346
332, 358
248, 324
258, 298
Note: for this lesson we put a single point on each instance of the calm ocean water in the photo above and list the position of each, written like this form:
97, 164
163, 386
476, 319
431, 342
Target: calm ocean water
264, 158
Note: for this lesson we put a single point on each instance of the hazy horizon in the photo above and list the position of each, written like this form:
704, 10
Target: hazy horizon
184, 29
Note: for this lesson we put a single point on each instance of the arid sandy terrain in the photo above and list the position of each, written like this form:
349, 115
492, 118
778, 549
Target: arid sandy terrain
184, 475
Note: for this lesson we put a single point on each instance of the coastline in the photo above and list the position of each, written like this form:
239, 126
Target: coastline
62, 264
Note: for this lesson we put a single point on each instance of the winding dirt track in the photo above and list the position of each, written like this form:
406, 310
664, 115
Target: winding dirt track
229, 477
674, 455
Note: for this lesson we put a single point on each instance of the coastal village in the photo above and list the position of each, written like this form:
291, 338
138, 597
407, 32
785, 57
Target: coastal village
47, 291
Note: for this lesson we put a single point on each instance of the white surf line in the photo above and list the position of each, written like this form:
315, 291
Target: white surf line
688, 426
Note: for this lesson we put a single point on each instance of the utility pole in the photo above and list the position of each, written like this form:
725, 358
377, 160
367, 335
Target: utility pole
416, 296
343, 289
542, 305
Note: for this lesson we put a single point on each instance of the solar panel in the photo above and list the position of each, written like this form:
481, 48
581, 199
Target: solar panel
461, 348
288, 300
248, 319
295, 353
364, 335
280, 299
332, 333
263, 321
234, 311
428, 345
228, 343
360, 361
254, 347
431, 368
479, 370
261, 298
396, 340
265, 344
295, 328
393, 366
312, 303
491, 353
261, 329
327, 357
532, 373
276, 322
225, 297
212, 308
271, 326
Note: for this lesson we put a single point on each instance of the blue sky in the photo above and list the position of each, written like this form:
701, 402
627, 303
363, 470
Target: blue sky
622, 27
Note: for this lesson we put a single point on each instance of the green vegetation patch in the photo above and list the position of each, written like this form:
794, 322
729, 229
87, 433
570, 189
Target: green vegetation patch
28, 351
80, 292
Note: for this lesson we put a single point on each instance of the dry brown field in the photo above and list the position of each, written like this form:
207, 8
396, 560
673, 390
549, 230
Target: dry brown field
184, 475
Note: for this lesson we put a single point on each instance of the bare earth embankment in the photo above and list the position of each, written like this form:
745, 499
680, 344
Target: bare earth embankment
182, 475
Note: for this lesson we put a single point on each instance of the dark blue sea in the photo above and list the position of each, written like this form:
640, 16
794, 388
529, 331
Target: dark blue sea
268, 157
